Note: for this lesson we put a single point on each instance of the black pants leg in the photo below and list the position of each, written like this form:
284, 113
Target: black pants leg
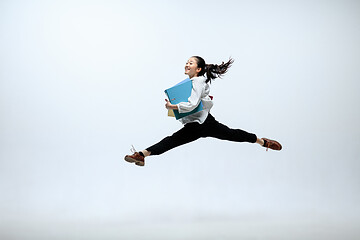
212, 128
190, 132
193, 131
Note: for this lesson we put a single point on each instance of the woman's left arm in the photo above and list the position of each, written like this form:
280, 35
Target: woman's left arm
170, 106
195, 97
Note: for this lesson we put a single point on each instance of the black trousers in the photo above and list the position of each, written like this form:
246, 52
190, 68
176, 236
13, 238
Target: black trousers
193, 131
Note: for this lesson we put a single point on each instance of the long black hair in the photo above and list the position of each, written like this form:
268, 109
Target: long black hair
212, 71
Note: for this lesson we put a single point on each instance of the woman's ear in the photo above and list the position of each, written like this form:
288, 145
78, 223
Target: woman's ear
198, 70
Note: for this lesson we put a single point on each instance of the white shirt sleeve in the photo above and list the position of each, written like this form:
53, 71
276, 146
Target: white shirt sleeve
198, 87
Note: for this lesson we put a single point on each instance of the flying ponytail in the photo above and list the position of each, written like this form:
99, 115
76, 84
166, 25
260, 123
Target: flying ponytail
212, 71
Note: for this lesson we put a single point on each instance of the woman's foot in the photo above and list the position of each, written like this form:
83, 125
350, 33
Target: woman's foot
272, 144
135, 158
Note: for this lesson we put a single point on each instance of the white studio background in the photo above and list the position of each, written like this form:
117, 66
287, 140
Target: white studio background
80, 81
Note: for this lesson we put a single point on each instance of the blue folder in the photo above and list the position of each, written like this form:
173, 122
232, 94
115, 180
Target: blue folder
180, 93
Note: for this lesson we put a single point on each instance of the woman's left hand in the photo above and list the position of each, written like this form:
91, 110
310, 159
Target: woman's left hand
168, 105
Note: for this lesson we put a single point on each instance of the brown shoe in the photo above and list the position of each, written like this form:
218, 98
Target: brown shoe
135, 158
272, 144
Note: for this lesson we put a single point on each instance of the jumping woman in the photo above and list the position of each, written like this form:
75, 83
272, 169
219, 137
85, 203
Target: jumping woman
201, 124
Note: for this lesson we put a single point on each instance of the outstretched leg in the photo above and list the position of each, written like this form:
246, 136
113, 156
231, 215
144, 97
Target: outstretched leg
190, 132
212, 128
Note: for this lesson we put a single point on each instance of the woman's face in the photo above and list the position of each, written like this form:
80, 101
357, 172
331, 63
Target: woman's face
191, 68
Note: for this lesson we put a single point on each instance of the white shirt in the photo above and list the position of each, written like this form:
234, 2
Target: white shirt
200, 92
